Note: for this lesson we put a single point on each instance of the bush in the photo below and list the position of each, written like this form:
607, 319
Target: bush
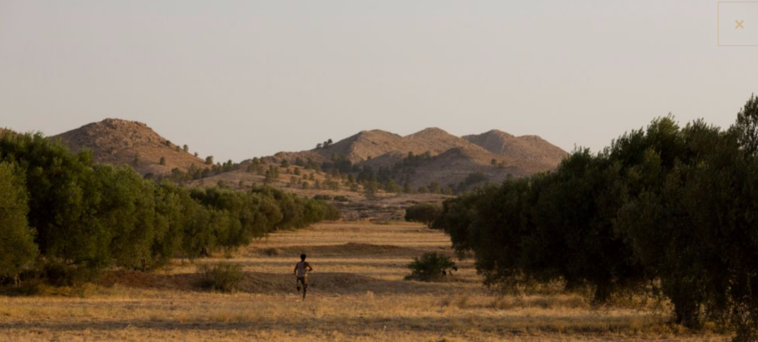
222, 277
431, 266
425, 213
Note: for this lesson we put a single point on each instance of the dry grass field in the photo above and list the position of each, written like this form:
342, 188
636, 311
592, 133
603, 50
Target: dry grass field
357, 294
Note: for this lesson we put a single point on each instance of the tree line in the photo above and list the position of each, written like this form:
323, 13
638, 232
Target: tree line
64, 217
667, 209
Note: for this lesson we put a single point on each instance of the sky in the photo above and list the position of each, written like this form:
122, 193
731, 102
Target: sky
238, 79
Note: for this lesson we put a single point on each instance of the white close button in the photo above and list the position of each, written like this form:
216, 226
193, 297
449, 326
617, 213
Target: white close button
738, 23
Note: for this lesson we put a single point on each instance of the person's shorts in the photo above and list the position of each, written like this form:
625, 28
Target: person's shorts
302, 280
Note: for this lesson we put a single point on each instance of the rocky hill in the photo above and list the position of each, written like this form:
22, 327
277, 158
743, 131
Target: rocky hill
524, 150
449, 159
116, 141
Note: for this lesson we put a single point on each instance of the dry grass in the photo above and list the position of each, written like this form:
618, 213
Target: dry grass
357, 294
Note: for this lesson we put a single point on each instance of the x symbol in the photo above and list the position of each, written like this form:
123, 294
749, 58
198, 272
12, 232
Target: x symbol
739, 24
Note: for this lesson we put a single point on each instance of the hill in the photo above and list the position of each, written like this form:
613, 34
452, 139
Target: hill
527, 149
445, 159
116, 141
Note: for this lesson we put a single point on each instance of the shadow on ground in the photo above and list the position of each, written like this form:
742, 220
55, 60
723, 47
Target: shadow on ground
584, 325
351, 249
268, 283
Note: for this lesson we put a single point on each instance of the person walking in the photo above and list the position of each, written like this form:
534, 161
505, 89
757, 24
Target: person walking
301, 274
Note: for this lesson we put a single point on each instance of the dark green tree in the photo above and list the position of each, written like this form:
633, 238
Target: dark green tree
16, 237
425, 213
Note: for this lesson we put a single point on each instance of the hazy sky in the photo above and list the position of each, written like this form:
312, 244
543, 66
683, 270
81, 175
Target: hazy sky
238, 79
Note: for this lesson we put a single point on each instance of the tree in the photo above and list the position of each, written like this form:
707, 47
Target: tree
16, 237
425, 213
370, 188
185, 148
136, 160
746, 126
127, 210
162, 161
169, 224
209, 160
471, 181
272, 174
704, 207
63, 201
408, 188
391, 186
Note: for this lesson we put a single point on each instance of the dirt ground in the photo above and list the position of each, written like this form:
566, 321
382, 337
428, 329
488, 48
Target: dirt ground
357, 293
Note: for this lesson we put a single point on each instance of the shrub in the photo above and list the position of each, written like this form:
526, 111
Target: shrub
431, 266
425, 213
222, 277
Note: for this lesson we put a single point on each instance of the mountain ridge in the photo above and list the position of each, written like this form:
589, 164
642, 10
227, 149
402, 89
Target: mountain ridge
495, 153
430, 155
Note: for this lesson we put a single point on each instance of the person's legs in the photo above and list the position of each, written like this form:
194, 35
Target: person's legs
305, 286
